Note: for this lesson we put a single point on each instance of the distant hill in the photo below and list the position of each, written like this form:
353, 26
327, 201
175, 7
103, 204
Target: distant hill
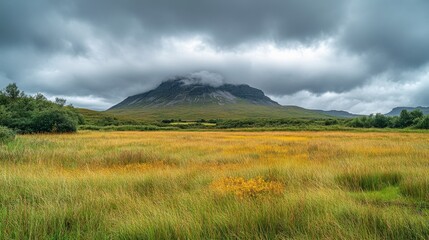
189, 98
337, 113
396, 111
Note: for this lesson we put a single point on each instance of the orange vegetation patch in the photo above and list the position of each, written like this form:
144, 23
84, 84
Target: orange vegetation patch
253, 187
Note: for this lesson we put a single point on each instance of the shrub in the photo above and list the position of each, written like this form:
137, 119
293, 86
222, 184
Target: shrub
253, 187
330, 122
55, 120
6, 135
28, 114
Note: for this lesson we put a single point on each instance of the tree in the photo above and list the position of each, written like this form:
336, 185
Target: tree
380, 121
356, 122
60, 101
12, 91
394, 122
40, 97
27, 114
405, 119
417, 116
424, 123
417, 113
4, 115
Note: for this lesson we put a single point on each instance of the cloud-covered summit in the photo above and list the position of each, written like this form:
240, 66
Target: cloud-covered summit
357, 55
204, 78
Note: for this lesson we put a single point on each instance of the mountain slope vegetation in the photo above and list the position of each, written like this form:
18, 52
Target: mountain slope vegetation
189, 99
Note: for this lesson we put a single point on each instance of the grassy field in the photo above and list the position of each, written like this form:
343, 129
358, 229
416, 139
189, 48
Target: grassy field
192, 112
215, 185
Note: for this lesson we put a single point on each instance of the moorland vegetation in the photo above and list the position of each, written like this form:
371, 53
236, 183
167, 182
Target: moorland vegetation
215, 185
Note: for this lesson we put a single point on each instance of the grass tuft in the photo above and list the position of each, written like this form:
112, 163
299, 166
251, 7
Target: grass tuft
368, 181
416, 188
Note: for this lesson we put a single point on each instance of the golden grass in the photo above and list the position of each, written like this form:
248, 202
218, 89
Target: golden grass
253, 187
215, 185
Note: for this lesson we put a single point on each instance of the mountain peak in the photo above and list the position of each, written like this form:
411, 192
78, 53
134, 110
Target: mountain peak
201, 88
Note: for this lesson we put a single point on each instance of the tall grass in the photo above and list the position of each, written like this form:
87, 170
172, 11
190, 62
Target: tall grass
215, 185
369, 181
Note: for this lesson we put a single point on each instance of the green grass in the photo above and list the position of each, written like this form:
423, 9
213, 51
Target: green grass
369, 181
213, 111
160, 185
417, 188
384, 195
126, 128
96, 117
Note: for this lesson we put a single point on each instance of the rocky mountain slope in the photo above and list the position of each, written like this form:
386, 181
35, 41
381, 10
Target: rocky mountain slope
180, 92
190, 99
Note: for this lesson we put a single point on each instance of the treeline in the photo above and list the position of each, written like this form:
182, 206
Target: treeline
262, 123
277, 123
36, 114
183, 121
414, 119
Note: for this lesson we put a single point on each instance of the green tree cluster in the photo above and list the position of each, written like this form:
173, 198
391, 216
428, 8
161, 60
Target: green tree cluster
413, 119
36, 114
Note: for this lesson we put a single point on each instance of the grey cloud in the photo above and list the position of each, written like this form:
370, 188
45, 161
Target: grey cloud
378, 96
38, 25
204, 77
224, 22
109, 49
392, 32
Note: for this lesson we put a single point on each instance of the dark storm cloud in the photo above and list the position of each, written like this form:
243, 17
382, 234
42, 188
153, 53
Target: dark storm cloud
395, 32
225, 22
36, 24
302, 51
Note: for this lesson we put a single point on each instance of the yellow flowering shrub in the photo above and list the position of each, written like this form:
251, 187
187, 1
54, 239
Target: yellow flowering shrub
253, 187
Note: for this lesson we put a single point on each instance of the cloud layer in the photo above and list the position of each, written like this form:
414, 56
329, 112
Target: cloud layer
358, 55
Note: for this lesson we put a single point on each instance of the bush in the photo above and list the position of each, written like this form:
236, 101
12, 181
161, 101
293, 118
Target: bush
423, 123
29, 114
55, 120
6, 135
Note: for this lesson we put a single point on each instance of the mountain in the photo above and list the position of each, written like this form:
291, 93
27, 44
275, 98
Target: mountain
396, 111
180, 92
190, 99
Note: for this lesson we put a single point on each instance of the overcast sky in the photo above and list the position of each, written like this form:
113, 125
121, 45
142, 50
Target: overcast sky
362, 56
